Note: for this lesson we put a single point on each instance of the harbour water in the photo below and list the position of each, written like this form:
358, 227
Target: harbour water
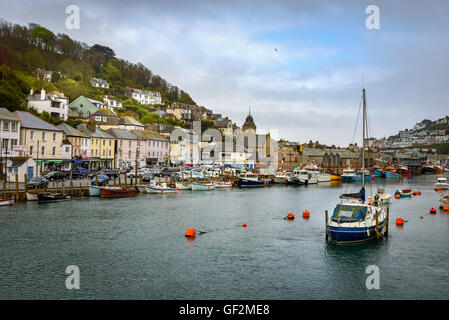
134, 248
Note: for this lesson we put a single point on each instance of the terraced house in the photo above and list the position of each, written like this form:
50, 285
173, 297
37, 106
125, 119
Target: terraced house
80, 142
127, 148
102, 147
43, 141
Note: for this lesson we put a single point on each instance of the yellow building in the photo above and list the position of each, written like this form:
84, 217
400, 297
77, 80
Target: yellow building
43, 141
102, 147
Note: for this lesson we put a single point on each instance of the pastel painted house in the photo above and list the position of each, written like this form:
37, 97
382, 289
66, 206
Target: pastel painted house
82, 108
127, 150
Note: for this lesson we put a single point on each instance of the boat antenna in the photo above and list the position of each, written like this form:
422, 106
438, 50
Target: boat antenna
363, 142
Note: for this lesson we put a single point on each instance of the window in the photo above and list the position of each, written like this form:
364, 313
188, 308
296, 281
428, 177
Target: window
54, 136
97, 118
43, 136
54, 151
105, 119
104, 142
103, 152
13, 142
110, 142
129, 143
43, 150
129, 154
67, 149
5, 125
31, 135
5, 144
13, 126
31, 150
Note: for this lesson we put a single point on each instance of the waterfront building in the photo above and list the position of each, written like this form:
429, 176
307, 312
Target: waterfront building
157, 148
102, 146
9, 133
43, 141
56, 104
129, 123
80, 151
128, 152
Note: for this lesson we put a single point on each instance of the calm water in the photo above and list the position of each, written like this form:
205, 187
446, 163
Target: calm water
135, 248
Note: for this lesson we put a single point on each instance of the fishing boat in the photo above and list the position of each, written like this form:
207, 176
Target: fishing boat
428, 168
404, 193
353, 221
31, 196
280, 177
6, 202
249, 179
223, 184
94, 191
439, 169
442, 183
377, 171
444, 200
183, 186
203, 186
141, 188
317, 174
305, 177
403, 169
366, 173
390, 172
115, 192
349, 175
334, 176
53, 197
380, 197
162, 188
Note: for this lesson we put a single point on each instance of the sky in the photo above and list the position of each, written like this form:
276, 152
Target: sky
299, 65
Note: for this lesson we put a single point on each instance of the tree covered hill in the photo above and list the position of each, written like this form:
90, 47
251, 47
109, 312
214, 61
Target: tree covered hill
74, 63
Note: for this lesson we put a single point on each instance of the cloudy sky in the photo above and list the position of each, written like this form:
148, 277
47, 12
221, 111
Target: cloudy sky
298, 64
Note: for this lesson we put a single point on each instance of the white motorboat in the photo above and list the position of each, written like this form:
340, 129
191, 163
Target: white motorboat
305, 177
223, 184
444, 201
281, 177
31, 196
316, 173
349, 175
6, 202
380, 197
183, 186
162, 188
442, 183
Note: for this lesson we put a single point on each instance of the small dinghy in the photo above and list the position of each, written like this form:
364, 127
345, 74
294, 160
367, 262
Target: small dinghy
404, 192
203, 186
31, 196
183, 186
162, 188
114, 192
6, 202
223, 184
53, 197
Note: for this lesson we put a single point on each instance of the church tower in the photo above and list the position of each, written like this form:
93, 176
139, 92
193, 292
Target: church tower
249, 125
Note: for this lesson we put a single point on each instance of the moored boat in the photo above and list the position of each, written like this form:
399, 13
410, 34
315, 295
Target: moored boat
317, 174
404, 192
162, 188
248, 179
442, 183
183, 186
349, 175
223, 184
444, 201
280, 177
380, 197
390, 172
31, 196
305, 177
94, 191
202, 186
6, 202
53, 197
114, 192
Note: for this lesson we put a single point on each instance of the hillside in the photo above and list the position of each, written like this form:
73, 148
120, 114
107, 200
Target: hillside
73, 64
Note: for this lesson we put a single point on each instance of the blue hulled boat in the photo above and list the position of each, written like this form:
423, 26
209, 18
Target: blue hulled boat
249, 179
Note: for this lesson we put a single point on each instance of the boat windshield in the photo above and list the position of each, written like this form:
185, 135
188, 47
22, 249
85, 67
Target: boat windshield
346, 213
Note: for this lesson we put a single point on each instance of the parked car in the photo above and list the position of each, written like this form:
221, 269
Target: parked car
168, 171
110, 173
132, 173
147, 176
40, 182
55, 175
102, 180
79, 173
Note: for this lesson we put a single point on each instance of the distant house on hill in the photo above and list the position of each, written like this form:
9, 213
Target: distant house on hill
111, 102
99, 83
105, 119
144, 96
43, 74
83, 108
56, 104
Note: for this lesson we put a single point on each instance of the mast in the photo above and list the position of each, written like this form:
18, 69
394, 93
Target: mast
363, 142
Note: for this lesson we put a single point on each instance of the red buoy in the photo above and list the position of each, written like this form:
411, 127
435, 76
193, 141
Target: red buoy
190, 233
244, 225
433, 210
446, 208
306, 214
399, 221
290, 216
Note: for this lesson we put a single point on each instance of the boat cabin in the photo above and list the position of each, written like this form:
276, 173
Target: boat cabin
349, 213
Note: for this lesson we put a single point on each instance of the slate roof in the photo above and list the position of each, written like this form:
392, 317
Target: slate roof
121, 134
5, 114
71, 132
104, 112
127, 120
29, 120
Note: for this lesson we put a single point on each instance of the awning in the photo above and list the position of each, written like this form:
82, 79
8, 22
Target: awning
78, 161
48, 160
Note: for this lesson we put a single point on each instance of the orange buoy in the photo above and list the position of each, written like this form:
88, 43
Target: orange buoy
290, 216
418, 193
399, 221
433, 210
415, 193
244, 225
306, 214
446, 208
397, 196
190, 233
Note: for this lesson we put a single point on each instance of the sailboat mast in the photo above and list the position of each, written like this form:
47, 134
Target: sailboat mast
363, 142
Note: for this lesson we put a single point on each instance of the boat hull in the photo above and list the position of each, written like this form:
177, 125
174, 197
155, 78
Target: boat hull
31, 196
94, 191
280, 180
160, 190
389, 174
183, 186
117, 192
6, 202
344, 235
202, 187
251, 183
53, 197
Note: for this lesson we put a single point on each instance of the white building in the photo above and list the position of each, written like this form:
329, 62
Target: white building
9, 133
144, 97
43, 74
99, 83
111, 102
56, 104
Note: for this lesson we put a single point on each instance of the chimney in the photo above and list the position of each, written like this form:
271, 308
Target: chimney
42, 94
31, 92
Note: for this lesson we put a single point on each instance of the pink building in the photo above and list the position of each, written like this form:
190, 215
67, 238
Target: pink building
157, 147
